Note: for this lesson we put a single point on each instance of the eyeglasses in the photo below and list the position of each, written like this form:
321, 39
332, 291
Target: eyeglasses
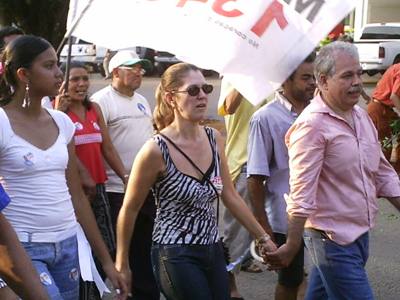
134, 68
194, 90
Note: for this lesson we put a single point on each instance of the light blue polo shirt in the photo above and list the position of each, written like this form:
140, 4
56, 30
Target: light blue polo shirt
268, 156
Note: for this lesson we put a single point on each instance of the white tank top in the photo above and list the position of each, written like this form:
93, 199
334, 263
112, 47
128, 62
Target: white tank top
36, 183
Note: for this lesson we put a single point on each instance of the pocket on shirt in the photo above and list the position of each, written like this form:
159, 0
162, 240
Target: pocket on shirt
371, 154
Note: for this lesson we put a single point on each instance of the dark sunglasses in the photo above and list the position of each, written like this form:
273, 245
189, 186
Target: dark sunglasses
194, 90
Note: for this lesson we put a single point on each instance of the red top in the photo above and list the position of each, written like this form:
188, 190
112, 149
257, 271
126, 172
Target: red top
389, 83
336, 32
88, 144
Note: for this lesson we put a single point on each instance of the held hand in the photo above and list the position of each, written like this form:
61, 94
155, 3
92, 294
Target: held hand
268, 246
280, 258
127, 276
117, 280
63, 100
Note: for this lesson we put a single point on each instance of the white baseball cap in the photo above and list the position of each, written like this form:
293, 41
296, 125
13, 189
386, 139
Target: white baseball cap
127, 58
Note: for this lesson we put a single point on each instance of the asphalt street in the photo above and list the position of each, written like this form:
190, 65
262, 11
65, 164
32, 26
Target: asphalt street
383, 267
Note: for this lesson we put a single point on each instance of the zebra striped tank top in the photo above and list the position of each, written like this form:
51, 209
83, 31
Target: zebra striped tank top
185, 210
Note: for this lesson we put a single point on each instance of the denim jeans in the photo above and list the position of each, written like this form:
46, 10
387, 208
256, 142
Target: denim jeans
339, 271
195, 272
58, 267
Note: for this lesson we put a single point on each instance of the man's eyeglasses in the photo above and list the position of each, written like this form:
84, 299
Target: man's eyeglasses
134, 68
194, 90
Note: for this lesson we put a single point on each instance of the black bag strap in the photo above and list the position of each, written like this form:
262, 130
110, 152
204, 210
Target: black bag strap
197, 168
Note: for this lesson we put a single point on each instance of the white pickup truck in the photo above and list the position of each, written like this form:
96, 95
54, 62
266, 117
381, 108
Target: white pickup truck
379, 47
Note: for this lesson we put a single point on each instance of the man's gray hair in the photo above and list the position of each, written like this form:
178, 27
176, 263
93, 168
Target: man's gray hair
326, 59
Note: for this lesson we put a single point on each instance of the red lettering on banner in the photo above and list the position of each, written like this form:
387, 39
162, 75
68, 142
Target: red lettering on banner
273, 12
182, 3
217, 7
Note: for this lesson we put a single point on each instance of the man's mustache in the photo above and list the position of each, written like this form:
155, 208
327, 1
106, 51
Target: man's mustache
356, 89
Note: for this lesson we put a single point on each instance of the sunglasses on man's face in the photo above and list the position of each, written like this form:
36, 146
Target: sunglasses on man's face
194, 90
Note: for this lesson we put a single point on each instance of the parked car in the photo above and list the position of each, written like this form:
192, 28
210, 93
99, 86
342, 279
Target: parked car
90, 54
162, 60
93, 55
379, 47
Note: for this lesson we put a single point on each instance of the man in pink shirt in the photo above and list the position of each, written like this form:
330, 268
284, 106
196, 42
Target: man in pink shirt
337, 171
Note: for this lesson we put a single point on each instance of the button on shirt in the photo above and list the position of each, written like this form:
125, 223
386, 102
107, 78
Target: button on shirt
337, 173
268, 156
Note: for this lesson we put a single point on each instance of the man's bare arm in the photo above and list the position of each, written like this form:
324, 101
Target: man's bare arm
232, 101
282, 257
395, 202
396, 100
256, 188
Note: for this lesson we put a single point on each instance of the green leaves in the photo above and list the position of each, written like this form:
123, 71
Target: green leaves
388, 142
45, 18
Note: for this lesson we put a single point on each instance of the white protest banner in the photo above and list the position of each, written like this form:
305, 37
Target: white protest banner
255, 44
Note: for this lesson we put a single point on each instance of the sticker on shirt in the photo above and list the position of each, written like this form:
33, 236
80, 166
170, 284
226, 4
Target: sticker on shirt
217, 182
29, 159
142, 108
95, 126
45, 278
74, 274
78, 126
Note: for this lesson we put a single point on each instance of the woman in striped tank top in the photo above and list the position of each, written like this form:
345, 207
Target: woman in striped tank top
185, 165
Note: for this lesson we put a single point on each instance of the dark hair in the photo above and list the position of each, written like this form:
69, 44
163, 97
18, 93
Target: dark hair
7, 31
20, 53
171, 80
77, 65
309, 59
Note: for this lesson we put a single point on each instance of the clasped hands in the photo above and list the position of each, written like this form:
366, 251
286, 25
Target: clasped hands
276, 258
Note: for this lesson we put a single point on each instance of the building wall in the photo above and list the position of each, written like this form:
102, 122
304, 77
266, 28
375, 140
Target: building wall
375, 11
378, 12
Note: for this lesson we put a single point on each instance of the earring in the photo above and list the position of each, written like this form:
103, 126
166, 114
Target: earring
27, 100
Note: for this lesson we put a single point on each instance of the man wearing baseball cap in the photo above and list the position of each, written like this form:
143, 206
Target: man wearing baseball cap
129, 121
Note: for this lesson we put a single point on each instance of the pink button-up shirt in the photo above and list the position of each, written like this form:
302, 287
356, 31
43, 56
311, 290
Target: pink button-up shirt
337, 173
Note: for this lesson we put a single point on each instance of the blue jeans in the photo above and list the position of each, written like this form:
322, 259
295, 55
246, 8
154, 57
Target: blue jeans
195, 272
58, 267
339, 271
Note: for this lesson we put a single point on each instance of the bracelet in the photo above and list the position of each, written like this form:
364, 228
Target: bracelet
263, 239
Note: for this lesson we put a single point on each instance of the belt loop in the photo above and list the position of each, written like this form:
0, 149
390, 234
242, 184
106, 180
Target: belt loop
29, 237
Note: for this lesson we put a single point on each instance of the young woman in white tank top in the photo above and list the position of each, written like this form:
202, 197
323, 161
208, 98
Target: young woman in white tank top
38, 170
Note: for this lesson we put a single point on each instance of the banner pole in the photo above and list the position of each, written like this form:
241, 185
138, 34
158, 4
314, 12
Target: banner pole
68, 36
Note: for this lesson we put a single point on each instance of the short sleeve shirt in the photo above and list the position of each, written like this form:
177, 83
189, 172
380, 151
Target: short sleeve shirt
389, 84
35, 179
268, 156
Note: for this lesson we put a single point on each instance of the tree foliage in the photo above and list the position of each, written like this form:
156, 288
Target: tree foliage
46, 18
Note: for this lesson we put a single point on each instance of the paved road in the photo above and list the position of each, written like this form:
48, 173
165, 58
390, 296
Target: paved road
384, 263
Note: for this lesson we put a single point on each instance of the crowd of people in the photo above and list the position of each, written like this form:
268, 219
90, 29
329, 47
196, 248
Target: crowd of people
142, 188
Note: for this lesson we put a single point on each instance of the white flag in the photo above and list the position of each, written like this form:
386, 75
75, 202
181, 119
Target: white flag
255, 44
